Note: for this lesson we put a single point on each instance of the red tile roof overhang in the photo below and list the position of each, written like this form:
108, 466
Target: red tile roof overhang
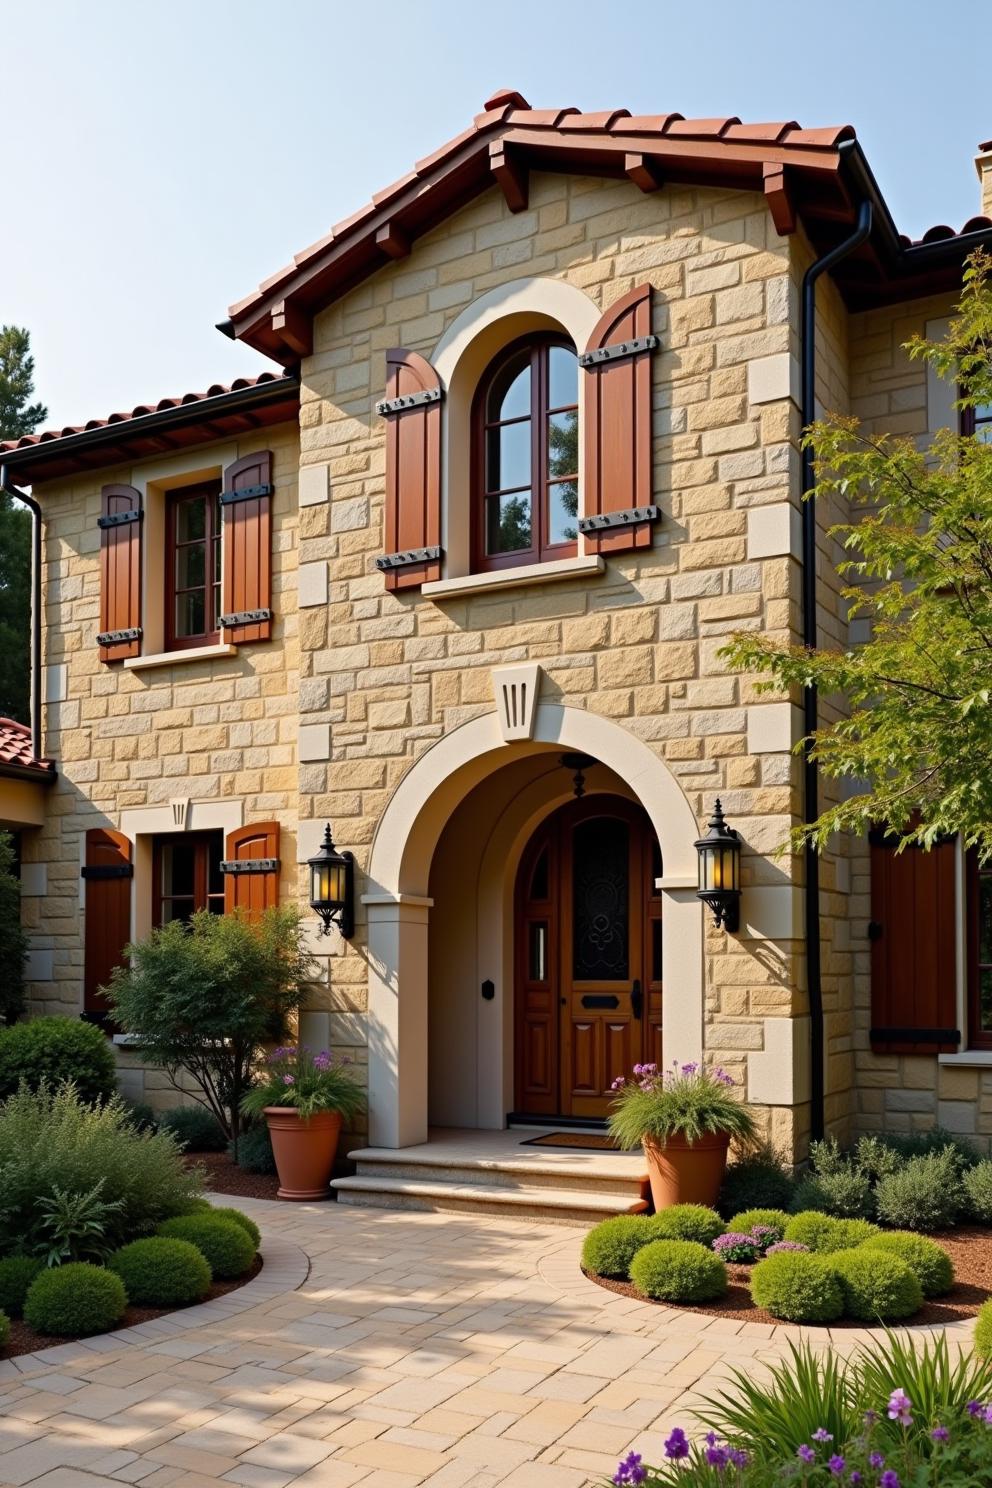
815, 176
153, 429
17, 762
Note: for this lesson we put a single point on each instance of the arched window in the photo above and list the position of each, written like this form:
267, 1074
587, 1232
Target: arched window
526, 456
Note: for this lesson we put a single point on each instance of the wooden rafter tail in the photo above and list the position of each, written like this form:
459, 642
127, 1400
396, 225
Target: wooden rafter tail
779, 198
644, 172
393, 241
510, 175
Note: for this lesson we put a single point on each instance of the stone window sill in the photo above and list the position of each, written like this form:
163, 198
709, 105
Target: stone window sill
514, 578
969, 1058
178, 658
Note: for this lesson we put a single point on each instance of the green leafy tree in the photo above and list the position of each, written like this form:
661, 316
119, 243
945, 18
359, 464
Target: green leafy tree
206, 998
13, 941
916, 734
18, 415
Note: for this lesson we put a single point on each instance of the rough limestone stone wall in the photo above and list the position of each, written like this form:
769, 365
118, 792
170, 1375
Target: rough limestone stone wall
217, 729
391, 673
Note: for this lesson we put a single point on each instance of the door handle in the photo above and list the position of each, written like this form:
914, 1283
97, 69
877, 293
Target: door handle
637, 1001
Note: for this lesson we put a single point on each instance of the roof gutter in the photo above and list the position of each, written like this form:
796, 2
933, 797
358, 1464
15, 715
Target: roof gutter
811, 808
35, 511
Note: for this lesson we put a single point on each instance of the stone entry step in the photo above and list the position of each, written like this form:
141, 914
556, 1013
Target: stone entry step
498, 1173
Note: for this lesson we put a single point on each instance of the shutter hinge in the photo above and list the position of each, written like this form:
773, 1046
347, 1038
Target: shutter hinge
250, 865
122, 870
389, 561
118, 637
244, 493
617, 350
389, 406
915, 1036
118, 519
244, 617
606, 520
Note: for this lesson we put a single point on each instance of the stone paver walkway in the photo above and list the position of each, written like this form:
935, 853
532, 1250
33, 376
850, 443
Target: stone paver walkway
420, 1349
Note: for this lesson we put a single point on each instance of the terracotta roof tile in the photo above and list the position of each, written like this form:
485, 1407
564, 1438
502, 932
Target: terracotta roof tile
15, 748
604, 120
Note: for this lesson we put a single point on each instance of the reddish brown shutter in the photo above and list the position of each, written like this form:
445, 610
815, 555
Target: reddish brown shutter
120, 573
913, 948
617, 419
247, 546
108, 874
251, 868
413, 471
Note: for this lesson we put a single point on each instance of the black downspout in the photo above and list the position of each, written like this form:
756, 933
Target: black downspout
811, 809
35, 511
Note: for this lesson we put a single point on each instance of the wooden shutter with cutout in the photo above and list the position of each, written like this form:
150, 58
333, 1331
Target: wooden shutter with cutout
412, 410
251, 868
246, 502
618, 510
913, 948
120, 523
108, 873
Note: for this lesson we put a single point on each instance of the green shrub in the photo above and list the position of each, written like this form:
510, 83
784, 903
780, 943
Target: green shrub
56, 1049
74, 1300
228, 1247
797, 1288
254, 1149
678, 1271
756, 1182
844, 1193
920, 1144
927, 1194
52, 1142
4, 1328
824, 1233
978, 1191
875, 1158
983, 1331
236, 1217
688, 1222
928, 1261
195, 1128
141, 1116
17, 1272
876, 1285
772, 1219
13, 939
159, 1272
852, 1232
609, 1247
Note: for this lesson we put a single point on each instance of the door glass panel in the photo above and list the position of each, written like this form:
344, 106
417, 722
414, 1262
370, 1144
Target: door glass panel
563, 377
537, 953
563, 511
656, 950
508, 457
600, 901
508, 523
539, 878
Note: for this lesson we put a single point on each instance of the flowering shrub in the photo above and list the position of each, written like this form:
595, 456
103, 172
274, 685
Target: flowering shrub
736, 1247
311, 1082
784, 1246
683, 1101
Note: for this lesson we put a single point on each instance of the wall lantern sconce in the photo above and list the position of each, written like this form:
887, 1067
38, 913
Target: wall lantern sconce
332, 887
720, 871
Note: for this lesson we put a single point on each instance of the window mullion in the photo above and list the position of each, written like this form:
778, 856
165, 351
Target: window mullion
538, 403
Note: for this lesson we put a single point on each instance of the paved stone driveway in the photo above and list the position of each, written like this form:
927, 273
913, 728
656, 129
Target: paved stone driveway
419, 1349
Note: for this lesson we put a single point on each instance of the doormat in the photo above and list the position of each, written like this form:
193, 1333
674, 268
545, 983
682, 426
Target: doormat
584, 1141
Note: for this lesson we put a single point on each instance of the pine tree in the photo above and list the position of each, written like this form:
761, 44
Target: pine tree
17, 416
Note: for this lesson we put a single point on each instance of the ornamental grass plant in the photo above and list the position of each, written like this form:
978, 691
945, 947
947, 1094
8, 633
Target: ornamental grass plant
310, 1083
683, 1101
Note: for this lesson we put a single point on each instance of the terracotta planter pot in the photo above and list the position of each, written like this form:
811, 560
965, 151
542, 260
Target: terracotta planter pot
683, 1172
304, 1149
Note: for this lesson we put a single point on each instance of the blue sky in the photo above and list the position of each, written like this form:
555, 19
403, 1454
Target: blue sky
161, 159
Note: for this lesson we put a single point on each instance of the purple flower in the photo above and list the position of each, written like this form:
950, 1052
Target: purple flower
618, 1083
289, 1079
806, 1453
889, 1479
855, 1478
738, 1457
900, 1407
723, 1077
836, 1465
690, 1069
677, 1445
784, 1245
821, 1434
940, 1434
630, 1470
718, 1457
876, 1460
974, 1408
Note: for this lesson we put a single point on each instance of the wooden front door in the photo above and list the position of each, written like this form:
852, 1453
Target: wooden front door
588, 957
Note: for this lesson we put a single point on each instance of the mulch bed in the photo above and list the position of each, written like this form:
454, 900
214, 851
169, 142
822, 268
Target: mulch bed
223, 1176
24, 1340
970, 1249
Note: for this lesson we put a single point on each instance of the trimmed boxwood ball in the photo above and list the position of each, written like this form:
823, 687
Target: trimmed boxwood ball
159, 1272
825, 1234
678, 1271
797, 1287
688, 1222
927, 1260
236, 1217
609, 1248
76, 1299
983, 1331
876, 1285
17, 1272
228, 1247
773, 1219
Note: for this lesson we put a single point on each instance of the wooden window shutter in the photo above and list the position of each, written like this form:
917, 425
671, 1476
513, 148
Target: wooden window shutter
107, 874
120, 573
251, 868
412, 410
617, 508
246, 501
913, 948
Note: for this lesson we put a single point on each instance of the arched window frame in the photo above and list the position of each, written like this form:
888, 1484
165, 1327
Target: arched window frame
541, 550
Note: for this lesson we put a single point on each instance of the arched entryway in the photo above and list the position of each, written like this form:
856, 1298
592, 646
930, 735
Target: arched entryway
587, 956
